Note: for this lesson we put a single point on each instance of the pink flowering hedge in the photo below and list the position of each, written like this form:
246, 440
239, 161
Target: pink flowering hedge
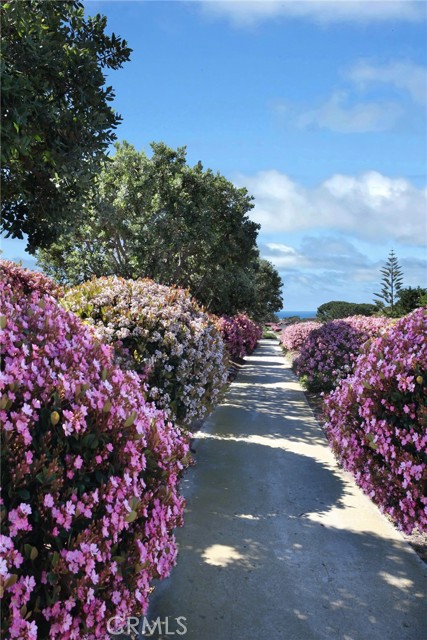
28, 281
274, 326
330, 351
239, 333
252, 332
89, 477
377, 421
293, 337
162, 333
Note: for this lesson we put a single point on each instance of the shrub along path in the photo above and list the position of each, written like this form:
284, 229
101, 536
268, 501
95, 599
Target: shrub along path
278, 542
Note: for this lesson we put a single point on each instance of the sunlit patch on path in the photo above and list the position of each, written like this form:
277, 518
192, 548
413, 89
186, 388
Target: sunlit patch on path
278, 541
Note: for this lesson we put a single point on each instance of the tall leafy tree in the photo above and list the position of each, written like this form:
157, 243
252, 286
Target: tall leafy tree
159, 217
57, 120
391, 282
268, 291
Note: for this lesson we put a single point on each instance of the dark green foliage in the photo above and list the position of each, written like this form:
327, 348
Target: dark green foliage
337, 309
410, 299
268, 297
391, 284
57, 121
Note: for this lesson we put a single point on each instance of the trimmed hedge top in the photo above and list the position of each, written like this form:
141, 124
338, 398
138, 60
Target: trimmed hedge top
162, 333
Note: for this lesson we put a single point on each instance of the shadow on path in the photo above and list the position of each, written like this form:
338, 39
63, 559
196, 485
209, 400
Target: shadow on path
278, 542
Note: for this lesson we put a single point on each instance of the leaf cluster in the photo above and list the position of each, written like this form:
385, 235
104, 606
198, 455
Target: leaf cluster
160, 218
57, 120
410, 298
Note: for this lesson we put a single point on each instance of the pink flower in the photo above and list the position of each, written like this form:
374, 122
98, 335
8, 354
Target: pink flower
75, 525
48, 500
18, 519
376, 421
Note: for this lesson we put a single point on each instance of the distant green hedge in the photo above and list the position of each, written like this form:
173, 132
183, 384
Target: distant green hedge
337, 309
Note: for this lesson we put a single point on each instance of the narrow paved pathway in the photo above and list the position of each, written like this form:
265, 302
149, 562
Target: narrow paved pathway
278, 543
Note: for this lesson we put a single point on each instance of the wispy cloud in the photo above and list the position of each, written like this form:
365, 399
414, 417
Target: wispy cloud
321, 254
331, 267
249, 13
337, 115
405, 76
369, 206
284, 256
346, 111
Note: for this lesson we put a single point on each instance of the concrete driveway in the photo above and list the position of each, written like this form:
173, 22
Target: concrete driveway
278, 542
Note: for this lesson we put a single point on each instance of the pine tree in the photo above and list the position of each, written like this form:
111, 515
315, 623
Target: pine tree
392, 281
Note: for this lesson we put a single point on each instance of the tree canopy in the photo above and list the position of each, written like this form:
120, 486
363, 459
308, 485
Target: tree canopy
268, 297
410, 298
57, 121
336, 309
159, 217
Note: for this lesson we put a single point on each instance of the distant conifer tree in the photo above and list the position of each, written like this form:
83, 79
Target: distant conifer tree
391, 282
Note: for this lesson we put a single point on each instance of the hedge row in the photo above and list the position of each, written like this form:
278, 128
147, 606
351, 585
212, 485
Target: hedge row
329, 351
376, 413
26, 281
161, 333
89, 477
239, 333
293, 336
90, 463
377, 421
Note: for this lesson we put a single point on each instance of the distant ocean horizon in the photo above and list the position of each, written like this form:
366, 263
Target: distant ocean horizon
284, 313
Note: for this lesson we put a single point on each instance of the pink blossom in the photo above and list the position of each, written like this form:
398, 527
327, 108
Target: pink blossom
239, 333
377, 421
74, 526
161, 333
48, 500
18, 519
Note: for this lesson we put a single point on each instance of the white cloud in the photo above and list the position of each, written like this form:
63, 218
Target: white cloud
336, 115
343, 113
319, 253
283, 256
405, 76
372, 206
331, 267
247, 13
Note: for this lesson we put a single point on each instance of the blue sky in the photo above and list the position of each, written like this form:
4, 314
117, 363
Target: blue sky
317, 107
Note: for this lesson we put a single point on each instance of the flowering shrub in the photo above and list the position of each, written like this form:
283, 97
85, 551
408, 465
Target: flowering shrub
294, 335
330, 351
239, 333
273, 326
27, 281
89, 478
232, 336
252, 332
377, 421
161, 332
